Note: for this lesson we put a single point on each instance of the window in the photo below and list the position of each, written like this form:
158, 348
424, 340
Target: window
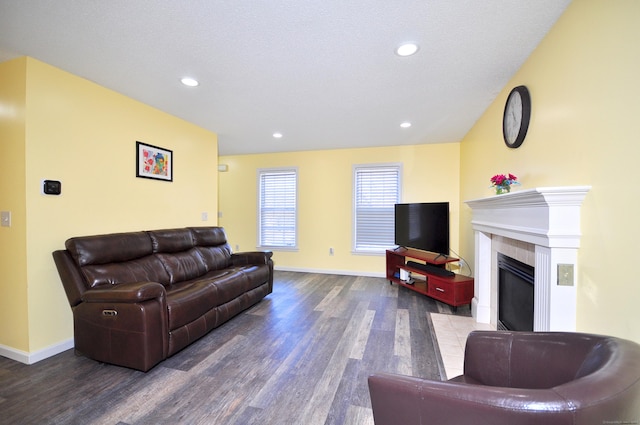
376, 191
277, 204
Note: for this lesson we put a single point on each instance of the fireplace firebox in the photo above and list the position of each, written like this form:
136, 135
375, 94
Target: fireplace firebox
515, 294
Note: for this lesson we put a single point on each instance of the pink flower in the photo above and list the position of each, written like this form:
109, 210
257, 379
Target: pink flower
498, 179
502, 180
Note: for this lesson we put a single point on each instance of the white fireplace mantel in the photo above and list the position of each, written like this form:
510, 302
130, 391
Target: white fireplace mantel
547, 218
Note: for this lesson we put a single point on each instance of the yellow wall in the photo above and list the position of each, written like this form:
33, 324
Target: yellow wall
14, 329
430, 174
583, 84
85, 136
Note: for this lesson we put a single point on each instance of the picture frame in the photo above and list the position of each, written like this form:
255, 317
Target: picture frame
154, 162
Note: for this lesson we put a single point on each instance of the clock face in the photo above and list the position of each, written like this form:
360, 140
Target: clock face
513, 118
517, 112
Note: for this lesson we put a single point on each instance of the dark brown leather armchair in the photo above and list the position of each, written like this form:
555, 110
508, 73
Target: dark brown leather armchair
521, 378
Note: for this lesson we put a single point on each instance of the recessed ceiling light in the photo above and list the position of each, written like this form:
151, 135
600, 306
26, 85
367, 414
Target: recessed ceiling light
405, 124
407, 49
277, 135
189, 82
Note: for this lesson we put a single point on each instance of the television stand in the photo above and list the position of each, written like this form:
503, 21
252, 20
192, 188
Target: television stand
453, 290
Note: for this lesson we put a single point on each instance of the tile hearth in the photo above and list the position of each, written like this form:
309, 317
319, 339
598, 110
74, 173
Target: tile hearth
451, 334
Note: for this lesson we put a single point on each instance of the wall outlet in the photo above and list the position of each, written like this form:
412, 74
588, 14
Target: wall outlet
205, 216
565, 274
330, 251
5, 218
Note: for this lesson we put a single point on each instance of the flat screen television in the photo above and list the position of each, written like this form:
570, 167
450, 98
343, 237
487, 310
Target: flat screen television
423, 226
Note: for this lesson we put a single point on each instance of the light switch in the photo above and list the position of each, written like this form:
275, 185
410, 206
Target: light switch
5, 218
565, 274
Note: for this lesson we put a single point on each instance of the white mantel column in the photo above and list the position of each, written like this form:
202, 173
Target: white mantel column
481, 302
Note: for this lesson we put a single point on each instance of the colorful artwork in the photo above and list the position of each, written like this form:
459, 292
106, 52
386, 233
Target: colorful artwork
153, 162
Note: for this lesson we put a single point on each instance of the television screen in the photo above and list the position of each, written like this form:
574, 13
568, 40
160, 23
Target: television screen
423, 226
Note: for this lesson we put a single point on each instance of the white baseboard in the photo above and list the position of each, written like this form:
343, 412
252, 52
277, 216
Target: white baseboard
323, 271
36, 356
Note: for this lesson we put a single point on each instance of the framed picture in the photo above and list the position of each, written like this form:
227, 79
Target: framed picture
153, 162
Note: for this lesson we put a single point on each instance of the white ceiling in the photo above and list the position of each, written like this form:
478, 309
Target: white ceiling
322, 72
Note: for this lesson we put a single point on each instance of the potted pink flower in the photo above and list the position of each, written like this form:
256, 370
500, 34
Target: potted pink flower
503, 183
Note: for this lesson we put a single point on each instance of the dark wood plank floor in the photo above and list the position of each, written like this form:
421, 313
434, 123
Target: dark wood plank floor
301, 356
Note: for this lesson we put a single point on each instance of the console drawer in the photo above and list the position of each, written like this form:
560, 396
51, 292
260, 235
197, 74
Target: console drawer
441, 290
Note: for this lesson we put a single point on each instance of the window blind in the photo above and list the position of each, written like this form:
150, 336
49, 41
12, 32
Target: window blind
278, 206
377, 190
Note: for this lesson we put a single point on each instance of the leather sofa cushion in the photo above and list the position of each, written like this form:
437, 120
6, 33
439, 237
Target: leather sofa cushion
146, 269
233, 282
208, 236
230, 284
103, 249
256, 275
187, 301
215, 257
182, 266
171, 240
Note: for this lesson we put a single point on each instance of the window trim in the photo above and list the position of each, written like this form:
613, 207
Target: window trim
355, 169
277, 170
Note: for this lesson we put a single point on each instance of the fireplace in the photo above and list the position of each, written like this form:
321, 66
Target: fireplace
542, 226
515, 294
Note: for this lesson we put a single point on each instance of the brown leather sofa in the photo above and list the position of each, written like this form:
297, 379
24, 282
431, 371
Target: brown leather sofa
140, 297
521, 378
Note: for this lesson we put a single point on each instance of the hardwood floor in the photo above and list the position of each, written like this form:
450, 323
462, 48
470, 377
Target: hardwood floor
301, 356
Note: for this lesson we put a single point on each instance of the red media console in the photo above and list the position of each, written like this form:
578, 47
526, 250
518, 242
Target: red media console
454, 290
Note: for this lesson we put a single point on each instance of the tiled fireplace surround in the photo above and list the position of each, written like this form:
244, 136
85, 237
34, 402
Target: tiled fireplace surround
539, 227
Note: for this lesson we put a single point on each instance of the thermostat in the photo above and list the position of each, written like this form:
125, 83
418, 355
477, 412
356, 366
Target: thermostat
51, 187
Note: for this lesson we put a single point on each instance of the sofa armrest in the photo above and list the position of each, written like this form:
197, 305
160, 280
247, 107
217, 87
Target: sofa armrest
72, 280
252, 257
125, 293
397, 399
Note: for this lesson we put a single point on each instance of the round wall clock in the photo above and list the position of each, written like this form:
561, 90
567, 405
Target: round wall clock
517, 113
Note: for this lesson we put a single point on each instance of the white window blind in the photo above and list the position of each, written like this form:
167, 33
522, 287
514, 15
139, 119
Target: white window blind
376, 191
277, 208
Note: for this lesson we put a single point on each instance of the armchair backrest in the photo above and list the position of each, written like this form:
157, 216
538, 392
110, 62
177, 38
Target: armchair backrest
533, 360
554, 359
557, 378
592, 373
